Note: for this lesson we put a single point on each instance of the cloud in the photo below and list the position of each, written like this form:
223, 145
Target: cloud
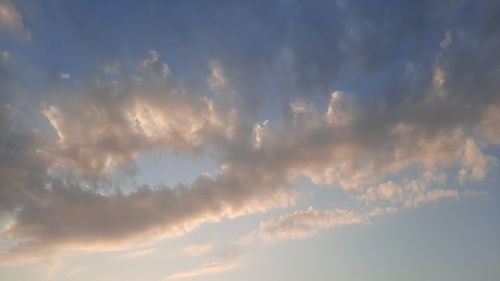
11, 19
218, 82
20, 183
475, 163
447, 40
112, 68
422, 120
217, 79
409, 193
138, 114
151, 67
65, 76
246, 239
339, 111
198, 249
432, 196
389, 190
71, 217
386, 198
57, 213
137, 254
209, 268
5, 55
305, 224
488, 124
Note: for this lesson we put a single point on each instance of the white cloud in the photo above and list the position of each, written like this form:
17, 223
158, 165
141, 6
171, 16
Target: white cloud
305, 224
152, 68
137, 254
339, 111
64, 76
488, 125
198, 249
209, 268
409, 193
218, 82
146, 114
447, 40
217, 79
390, 190
302, 224
474, 163
259, 132
431, 196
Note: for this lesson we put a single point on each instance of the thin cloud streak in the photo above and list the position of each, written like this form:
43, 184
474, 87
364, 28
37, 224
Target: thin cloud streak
198, 249
209, 268
137, 254
307, 223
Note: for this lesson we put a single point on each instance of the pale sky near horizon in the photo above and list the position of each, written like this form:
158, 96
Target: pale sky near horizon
249, 140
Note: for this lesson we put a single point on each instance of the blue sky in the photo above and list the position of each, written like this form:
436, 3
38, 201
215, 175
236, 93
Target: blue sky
249, 140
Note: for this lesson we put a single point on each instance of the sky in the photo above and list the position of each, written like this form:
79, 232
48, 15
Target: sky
249, 140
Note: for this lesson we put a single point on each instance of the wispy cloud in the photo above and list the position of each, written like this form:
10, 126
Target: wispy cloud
11, 19
307, 223
198, 249
137, 254
303, 224
217, 79
209, 268
64, 76
409, 193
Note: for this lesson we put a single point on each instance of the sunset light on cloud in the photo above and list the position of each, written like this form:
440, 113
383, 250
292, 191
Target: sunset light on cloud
249, 140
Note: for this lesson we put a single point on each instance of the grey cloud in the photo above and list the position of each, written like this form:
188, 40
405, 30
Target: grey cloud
106, 125
440, 113
103, 124
11, 19
23, 168
331, 147
23, 171
69, 216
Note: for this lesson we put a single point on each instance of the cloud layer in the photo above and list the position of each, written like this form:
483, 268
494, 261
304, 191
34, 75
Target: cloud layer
420, 138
